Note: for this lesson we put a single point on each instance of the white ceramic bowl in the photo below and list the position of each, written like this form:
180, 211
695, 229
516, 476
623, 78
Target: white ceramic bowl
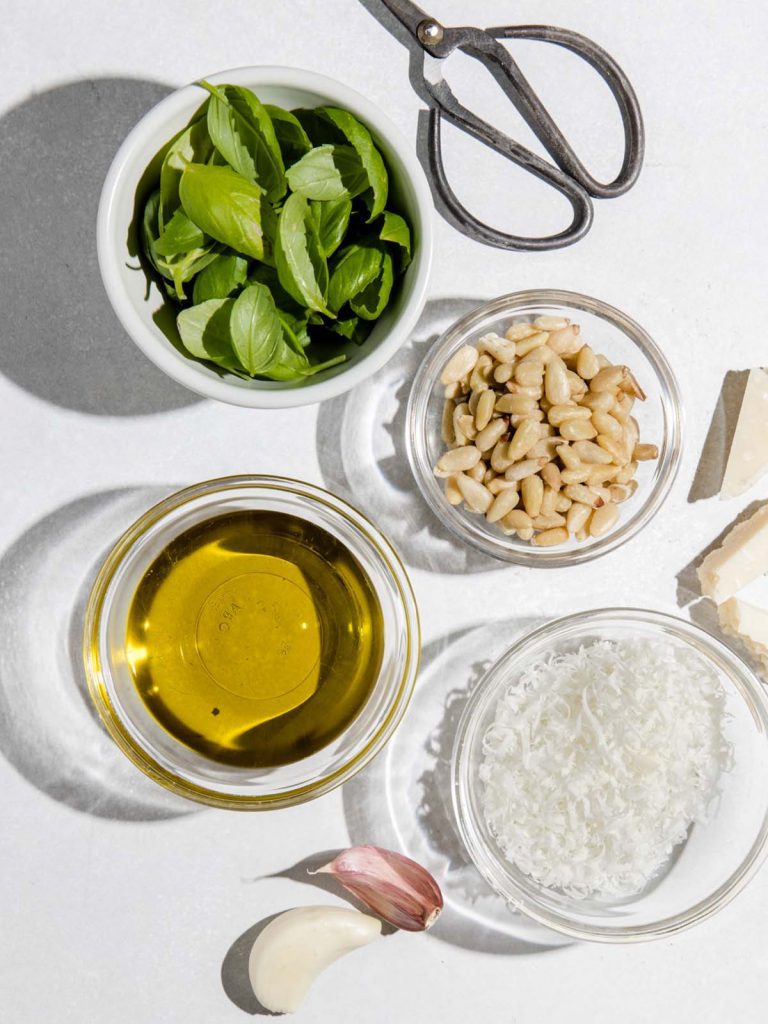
126, 283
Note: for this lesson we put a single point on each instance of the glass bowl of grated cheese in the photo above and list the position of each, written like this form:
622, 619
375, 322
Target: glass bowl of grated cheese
610, 775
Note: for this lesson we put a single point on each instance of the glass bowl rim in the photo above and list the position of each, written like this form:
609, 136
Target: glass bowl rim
97, 606
750, 689
417, 445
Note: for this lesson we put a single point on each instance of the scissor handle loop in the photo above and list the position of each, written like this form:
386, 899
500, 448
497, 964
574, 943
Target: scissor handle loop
621, 89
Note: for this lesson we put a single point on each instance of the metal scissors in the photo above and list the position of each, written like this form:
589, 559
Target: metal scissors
567, 174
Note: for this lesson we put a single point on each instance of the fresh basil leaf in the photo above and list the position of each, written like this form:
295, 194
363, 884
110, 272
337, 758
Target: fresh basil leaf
294, 330
220, 278
299, 259
328, 172
370, 303
263, 274
243, 133
320, 129
192, 145
394, 229
180, 235
255, 327
225, 206
291, 137
149, 232
204, 332
371, 159
353, 270
332, 220
346, 328
184, 267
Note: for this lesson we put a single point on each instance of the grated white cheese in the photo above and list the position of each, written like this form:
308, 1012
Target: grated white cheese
599, 760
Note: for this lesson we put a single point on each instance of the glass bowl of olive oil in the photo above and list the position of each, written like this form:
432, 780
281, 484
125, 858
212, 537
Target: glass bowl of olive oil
251, 642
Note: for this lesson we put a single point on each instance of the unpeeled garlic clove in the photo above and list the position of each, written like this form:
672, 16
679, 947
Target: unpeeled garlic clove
391, 885
294, 948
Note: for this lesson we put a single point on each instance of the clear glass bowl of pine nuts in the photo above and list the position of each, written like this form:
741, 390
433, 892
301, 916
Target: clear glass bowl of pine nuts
544, 428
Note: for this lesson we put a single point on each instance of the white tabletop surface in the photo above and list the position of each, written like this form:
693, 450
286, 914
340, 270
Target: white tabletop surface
119, 904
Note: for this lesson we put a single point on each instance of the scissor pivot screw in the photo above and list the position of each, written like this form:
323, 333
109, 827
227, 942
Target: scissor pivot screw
430, 32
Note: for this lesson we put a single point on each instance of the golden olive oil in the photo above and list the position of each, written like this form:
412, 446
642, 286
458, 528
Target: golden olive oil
255, 638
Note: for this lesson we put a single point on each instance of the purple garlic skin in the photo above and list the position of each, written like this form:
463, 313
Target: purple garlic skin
395, 887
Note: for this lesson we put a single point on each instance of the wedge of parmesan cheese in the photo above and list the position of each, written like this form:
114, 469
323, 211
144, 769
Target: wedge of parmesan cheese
748, 457
742, 557
749, 624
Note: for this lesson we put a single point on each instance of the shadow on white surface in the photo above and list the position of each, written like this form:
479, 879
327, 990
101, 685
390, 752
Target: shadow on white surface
362, 453
60, 339
403, 799
49, 730
714, 454
234, 971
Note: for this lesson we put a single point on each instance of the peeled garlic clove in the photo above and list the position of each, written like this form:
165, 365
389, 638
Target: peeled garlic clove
294, 948
391, 885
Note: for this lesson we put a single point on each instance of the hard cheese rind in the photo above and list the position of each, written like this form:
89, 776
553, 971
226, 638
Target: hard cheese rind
749, 624
742, 557
748, 457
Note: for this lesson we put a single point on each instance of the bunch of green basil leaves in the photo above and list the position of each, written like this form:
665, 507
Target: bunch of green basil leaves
271, 229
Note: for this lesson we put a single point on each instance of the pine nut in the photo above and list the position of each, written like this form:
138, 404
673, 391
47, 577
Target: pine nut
499, 484
476, 495
577, 516
582, 534
616, 449
644, 452
525, 437
472, 401
499, 459
480, 378
518, 404
548, 521
577, 430
603, 519
578, 387
489, 475
520, 470
484, 409
622, 407
549, 538
561, 413
525, 534
568, 457
602, 360
467, 426
477, 472
521, 389
502, 373
542, 355
606, 424
502, 504
452, 492
563, 504
551, 475
626, 473
459, 365
519, 331
531, 342
548, 502
551, 323
532, 490
556, 385
599, 475
518, 520
515, 420
587, 365
631, 386
452, 390
575, 476
447, 433
503, 351
459, 459
588, 451
545, 448
609, 378
566, 342
584, 495
601, 401
488, 437
529, 374
622, 492
631, 436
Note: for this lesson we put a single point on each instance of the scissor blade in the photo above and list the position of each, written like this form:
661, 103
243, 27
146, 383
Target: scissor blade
407, 14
